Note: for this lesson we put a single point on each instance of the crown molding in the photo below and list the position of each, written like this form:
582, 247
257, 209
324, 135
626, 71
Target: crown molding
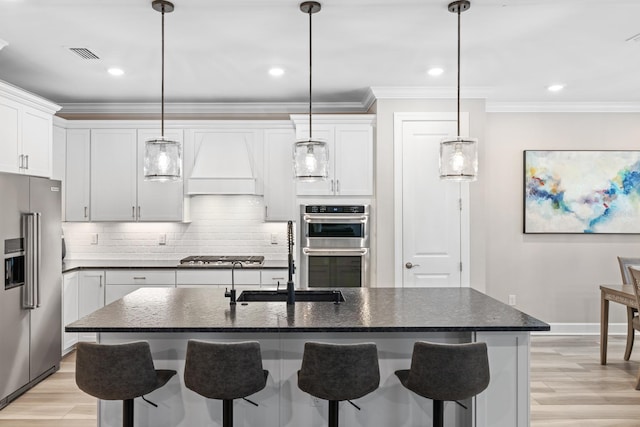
195, 108
563, 107
422, 92
17, 94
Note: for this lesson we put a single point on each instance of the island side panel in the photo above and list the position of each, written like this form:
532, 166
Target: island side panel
506, 402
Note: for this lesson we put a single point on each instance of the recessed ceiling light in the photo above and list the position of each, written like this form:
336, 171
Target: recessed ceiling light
115, 71
435, 71
555, 88
276, 72
3, 44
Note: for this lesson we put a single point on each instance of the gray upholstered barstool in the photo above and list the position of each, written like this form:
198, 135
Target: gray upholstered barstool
446, 372
337, 372
118, 372
224, 371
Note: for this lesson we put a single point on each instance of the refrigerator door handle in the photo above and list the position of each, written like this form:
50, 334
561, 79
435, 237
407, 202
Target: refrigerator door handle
31, 291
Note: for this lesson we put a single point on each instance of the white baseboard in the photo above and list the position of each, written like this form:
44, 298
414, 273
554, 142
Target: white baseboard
583, 329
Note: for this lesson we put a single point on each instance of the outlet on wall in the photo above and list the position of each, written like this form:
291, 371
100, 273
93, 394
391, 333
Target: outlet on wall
274, 238
162, 239
512, 300
94, 239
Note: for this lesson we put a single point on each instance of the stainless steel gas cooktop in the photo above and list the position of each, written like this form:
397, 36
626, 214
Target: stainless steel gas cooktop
221, 260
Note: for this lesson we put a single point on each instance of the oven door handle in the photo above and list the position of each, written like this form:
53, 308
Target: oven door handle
335, 252
329, 219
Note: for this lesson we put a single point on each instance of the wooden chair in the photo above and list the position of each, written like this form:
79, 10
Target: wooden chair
632, 313
634, 272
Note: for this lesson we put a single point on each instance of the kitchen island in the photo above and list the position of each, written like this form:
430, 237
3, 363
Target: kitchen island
393, 318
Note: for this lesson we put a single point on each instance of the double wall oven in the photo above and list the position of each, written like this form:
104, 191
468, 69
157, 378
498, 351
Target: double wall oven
334, 241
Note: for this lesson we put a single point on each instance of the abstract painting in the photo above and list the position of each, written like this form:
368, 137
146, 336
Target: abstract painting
582, 192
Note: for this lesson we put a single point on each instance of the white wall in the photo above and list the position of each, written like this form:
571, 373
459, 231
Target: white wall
221, 225
555, 277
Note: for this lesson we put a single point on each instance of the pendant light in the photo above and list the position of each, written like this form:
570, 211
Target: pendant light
310, 156
459, 156
162, 156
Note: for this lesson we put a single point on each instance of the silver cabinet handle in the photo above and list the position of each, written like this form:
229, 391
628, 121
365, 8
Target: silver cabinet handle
139, 278
332, 185
337, 185
410, 265
86, 212
133, 211
21, 161
26, 161
138, 212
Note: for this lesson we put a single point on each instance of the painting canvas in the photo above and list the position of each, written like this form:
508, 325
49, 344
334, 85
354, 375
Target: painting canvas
582, 191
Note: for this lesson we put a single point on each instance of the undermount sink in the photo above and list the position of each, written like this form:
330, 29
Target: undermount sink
301, 295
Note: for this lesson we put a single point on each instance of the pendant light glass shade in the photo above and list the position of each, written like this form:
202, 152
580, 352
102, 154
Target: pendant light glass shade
162, 156
162, 160
459, 159
311, 160
459, 155
310, 156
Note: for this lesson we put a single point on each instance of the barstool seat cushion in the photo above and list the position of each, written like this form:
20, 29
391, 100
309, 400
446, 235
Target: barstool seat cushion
224, 371
119, 371
339, 371
447, 371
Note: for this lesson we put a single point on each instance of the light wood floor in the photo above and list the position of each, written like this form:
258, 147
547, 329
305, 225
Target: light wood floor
569, 387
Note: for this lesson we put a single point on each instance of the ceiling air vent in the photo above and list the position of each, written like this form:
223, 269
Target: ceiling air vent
83, 53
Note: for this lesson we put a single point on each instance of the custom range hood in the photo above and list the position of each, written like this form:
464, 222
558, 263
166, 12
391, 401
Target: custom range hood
223, 164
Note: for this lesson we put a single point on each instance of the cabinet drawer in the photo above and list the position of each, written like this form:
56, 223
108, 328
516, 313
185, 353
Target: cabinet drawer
141, 277
272, 277
217, 277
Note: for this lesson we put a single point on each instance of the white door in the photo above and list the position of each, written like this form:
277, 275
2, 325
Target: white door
431, 209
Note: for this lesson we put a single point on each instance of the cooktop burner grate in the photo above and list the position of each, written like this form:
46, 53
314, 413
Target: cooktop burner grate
221, 260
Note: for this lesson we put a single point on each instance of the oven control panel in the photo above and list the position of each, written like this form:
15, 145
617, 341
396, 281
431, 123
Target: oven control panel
335, 209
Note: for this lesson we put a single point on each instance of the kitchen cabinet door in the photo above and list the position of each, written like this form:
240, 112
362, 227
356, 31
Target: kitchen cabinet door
90, 296
70, 308
158, 201
9, 134
77, 173
37, 137
317, 188
279, 183
113, 175
353, 160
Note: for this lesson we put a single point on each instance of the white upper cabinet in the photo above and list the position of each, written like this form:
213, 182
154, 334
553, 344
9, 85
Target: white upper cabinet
113, 175
158, 201
77, 175
350, 140
26, 132
279, 184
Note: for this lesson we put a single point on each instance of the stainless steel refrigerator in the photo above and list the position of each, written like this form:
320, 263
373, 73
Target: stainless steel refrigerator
31, 298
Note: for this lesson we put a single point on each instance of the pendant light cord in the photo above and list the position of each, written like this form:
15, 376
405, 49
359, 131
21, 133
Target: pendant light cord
310, 76
459, 11
162, 83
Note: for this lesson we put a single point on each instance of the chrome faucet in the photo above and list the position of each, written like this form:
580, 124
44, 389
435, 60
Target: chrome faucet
232, 293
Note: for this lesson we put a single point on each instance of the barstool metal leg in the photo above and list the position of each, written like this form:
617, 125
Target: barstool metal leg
227, 413
438, 413
333, 413
127, 413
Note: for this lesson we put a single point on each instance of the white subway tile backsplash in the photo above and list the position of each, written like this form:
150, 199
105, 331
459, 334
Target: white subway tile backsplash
219, 225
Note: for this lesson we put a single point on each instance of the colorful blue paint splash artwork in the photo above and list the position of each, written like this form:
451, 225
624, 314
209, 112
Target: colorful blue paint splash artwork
582, 192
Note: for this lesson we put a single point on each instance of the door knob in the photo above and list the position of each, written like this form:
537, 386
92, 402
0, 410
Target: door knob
410, 265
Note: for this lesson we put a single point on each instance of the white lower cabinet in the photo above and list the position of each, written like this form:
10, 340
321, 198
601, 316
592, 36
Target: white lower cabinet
122, 282
271, 278
70, 309
222, 277
90, 296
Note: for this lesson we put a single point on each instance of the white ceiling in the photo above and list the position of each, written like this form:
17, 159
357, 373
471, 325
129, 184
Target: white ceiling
220, 50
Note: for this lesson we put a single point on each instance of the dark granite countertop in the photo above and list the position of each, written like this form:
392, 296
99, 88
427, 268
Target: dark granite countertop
92, 264
365, 310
